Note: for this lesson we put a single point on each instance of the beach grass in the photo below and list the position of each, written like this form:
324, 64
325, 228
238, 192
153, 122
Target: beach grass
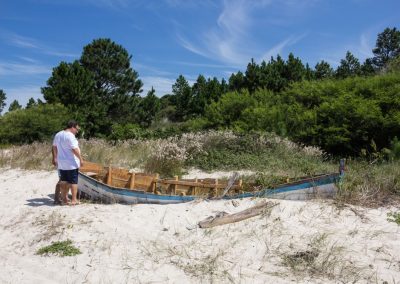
270, 159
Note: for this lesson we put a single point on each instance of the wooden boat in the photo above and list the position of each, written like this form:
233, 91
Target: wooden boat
114, 185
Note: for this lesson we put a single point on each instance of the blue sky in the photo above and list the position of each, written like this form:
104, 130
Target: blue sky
167, 38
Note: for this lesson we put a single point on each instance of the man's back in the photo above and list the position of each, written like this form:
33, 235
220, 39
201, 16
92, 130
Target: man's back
65, 141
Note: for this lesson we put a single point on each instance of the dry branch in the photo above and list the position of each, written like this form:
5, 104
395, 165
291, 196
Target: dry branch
222, 219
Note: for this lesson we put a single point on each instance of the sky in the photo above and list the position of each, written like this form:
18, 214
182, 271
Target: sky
168, 38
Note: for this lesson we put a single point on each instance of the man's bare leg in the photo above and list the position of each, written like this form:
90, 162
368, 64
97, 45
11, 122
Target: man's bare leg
64, 192
74, 191
57, 193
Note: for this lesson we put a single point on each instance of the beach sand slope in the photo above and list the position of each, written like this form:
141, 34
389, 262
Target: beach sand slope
295, 241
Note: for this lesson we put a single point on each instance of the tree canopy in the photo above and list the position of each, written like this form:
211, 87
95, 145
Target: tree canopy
3, 98
348, 110
387, 47
14, 106
99, 89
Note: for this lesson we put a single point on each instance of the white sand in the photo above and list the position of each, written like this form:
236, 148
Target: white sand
160, 244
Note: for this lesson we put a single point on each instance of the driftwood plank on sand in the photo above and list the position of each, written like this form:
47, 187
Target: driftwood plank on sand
222, 219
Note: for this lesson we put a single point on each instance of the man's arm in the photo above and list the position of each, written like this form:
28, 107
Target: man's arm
54, 152
77, 153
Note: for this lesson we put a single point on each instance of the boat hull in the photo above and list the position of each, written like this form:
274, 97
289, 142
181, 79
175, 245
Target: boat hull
319, 187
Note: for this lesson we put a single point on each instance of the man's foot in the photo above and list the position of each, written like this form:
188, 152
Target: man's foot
74, 203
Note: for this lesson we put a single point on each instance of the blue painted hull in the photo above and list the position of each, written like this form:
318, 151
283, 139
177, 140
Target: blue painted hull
318, 187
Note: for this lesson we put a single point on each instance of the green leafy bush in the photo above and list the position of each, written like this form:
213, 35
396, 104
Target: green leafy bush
38, 123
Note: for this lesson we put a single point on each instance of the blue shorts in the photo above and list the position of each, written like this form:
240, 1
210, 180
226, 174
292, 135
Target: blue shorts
70, 176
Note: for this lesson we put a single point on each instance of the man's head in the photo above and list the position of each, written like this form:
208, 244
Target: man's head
73, 126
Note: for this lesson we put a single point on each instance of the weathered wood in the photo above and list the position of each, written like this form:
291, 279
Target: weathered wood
236, 217
174, 186
196, 183
194, 192
91, 167
109, 176
132, 181
154, 184
231, 182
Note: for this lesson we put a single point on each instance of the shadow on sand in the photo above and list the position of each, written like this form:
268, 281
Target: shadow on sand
45, 201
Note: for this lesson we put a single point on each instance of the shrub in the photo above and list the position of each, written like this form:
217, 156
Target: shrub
38, 123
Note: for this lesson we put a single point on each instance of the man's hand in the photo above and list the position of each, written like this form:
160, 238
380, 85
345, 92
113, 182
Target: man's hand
54, 162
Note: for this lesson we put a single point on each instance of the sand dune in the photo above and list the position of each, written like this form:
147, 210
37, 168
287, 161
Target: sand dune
305, 242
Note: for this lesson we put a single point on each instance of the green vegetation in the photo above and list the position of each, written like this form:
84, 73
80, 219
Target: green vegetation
3, 98
280, 118
375, 184
394, 217
36, 123
353, 110
64, 248
271, 158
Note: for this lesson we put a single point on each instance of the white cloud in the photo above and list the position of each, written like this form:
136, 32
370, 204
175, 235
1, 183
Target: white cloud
230, 40
162, 85
24, 42
225, 41
217, 66
23, 69
278, 49
365, 47
189, 46
22, 94
28, 59
114, 4
33, 44
361, 48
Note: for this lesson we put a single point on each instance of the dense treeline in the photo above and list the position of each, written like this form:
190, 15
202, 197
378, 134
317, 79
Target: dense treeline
353, 109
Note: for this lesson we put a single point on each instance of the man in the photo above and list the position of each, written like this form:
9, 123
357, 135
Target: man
67, 157
57, 192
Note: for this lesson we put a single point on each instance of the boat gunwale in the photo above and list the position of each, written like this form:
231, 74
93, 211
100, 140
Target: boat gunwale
310, 182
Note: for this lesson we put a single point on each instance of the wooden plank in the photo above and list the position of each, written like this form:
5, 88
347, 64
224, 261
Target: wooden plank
236, 217
132, 181
109, 176
198, 184
91, 167
154, 184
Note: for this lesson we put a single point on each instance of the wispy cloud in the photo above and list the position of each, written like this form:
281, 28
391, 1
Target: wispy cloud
28, 59
230, 41
140, 67
190, 3
114, 4
23, 42
217, 66
7, 68
361, 48
189, 46
365, 46
278, 49
33, 44
222, 42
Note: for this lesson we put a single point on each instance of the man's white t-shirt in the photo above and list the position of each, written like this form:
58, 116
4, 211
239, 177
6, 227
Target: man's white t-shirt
65, 141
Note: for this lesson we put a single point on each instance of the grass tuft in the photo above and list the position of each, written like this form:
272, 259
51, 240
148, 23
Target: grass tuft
64, 248
394, 217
